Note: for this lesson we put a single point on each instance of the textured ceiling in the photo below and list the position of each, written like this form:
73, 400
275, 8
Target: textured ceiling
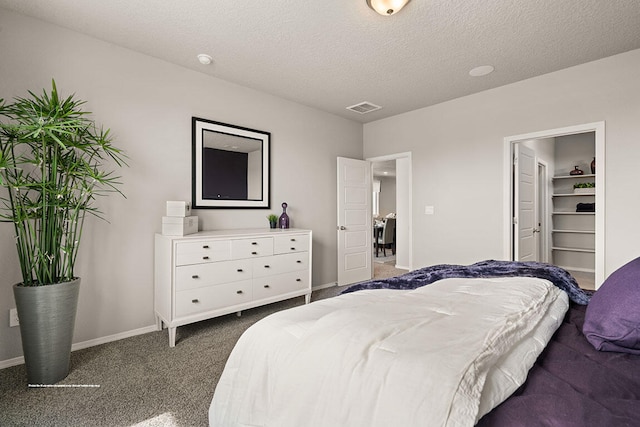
335, 53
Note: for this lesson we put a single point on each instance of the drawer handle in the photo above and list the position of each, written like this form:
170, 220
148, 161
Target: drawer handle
195, 276
254, 243
298, 280
205, 257
293, 249
299, 262
195, 301
205, 247
293, 240
266, 286
239, 270
238, 292
254, 253
267, 266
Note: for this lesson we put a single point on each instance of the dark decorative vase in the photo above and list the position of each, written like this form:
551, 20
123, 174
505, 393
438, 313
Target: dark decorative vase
283, 221
593, 166
47, 318
576, 171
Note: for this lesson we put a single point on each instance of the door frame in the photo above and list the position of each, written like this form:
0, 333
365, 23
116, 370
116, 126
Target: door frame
599, 129
542, 209
409, 214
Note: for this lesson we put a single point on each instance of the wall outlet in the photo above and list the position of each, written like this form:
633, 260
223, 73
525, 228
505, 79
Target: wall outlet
13, 318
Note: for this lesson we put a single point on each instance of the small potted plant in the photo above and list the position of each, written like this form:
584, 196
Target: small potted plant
273, 220
52, 168
584, 188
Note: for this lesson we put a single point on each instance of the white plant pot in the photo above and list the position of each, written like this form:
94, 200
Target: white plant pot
591, 190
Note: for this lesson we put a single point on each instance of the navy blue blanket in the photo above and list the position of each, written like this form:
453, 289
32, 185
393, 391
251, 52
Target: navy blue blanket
491, 268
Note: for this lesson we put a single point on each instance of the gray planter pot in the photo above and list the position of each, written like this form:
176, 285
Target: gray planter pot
47, 318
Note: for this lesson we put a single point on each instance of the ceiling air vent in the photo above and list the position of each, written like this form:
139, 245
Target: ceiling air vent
364, 107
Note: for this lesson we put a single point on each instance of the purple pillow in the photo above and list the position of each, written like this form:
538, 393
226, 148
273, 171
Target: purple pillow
612, 321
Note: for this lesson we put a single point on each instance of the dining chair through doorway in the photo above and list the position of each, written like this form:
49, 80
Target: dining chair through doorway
387, 238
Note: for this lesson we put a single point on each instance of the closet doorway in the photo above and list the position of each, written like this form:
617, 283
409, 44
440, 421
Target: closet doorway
547, 220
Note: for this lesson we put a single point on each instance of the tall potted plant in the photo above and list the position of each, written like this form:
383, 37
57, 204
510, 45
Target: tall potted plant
52, 161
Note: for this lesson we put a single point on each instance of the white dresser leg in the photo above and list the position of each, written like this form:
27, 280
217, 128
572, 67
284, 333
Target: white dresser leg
158, 324
172, 337
307, 298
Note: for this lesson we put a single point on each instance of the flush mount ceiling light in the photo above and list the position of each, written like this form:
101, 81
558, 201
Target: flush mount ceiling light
387, 7
483, 70
205, 59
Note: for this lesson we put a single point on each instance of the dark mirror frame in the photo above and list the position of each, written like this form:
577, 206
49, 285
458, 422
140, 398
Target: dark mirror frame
199, 170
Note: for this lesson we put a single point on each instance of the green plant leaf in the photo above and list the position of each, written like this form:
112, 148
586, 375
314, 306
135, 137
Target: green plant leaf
54, 163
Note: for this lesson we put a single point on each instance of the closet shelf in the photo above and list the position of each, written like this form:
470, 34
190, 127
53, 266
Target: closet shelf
573, 213
581, 270
560, 248
589, 175
574, 231
574, 194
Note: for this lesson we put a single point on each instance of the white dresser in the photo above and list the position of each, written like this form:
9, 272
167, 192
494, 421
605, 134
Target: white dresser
212, 273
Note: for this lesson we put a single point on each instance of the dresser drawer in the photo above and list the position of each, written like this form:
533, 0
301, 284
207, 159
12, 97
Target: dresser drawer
202, 251
198, 275
272, 286
278, 264
198, 300
251, 248
291, 243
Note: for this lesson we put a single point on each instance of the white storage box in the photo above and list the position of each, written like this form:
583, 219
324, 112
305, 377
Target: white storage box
180, 209
179, 226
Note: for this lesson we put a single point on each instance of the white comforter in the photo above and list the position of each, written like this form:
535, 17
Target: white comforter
390, 358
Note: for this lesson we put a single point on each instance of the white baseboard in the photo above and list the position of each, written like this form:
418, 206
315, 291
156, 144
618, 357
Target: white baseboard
114, 337
86, 344
11, 362
325, 286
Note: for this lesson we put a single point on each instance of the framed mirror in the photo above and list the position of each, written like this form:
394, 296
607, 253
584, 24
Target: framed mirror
230, 166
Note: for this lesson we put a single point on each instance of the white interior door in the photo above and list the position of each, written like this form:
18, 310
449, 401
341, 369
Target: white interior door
354, 221
525, 165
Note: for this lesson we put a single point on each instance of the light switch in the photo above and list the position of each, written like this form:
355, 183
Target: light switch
428, 210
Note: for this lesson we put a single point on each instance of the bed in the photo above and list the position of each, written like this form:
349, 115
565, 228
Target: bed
399, 352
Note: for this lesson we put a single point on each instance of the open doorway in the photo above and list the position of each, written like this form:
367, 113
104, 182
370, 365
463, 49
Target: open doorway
384, 211
391, 214
549, 220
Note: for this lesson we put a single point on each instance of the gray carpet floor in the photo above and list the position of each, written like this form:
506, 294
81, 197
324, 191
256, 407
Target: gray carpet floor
138, 381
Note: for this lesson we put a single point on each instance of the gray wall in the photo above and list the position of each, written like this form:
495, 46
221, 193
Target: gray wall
459, 165
574, 150
148, 104
387, 195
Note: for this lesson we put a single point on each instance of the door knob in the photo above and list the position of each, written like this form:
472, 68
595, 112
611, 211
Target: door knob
342, 227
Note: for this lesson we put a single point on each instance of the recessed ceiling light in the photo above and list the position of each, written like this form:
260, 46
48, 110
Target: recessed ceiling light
483, 70
205, 59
